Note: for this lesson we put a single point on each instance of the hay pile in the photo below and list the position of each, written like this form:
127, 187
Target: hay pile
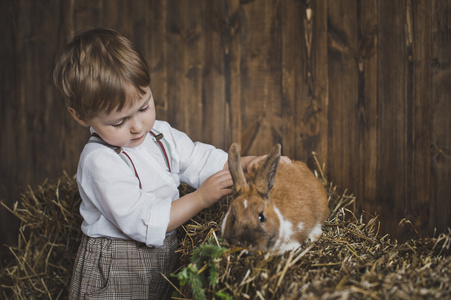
48, 241
350, 261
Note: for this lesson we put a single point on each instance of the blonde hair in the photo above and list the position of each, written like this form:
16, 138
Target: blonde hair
95, 69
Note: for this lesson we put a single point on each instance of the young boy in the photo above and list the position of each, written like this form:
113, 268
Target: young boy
129, 171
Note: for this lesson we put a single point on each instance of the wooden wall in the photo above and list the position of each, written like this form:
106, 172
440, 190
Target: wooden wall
364, 83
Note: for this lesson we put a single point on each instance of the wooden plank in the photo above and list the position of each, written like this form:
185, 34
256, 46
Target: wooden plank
194, 38
318, 79
9, 74
261, 77
176, 60
213, 81
185, 53
392, 116
232, 31
365, 187
304, 81
441, 122
87, 14
294, 73
117, 15
419, 42
343, 143
155, 53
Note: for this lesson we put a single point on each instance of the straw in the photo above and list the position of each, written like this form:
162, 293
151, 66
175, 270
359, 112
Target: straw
351, 260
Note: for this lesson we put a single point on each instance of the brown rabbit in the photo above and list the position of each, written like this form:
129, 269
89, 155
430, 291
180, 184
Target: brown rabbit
273, 207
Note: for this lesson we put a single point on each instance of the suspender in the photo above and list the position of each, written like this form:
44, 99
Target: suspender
158, 138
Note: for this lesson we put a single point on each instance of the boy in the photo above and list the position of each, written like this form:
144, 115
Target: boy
129, 171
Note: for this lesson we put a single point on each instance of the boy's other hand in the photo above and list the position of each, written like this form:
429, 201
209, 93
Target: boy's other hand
215, 187
257, 159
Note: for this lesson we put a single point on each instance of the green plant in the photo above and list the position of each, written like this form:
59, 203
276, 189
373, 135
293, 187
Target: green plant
202, 270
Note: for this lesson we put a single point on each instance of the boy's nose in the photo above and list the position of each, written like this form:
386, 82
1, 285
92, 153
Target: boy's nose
136, 126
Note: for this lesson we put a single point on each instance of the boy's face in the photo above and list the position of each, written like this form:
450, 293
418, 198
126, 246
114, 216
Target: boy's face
125, 128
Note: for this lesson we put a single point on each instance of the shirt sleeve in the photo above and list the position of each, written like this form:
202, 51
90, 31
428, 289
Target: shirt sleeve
110, 186
198, 161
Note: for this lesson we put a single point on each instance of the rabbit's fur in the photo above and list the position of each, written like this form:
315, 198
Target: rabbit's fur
274, 206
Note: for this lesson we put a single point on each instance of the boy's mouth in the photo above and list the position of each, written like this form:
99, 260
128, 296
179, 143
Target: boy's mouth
138, 138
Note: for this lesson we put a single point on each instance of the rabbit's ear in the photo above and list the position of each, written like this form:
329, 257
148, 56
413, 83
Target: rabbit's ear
266, 173
239, 181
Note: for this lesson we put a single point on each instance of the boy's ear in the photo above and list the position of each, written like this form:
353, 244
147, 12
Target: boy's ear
77, 117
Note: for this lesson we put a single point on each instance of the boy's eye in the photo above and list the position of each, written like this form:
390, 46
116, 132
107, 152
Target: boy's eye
144, 108
120, 124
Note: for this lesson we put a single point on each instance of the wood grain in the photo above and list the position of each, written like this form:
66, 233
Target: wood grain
365, 84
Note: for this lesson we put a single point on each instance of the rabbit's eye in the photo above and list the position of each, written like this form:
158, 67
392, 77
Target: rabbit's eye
261, 217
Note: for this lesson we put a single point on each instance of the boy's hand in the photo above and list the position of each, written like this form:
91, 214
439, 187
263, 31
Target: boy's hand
215, 187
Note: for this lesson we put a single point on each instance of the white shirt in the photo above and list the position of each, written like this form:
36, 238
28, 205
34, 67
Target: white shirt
113, 204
